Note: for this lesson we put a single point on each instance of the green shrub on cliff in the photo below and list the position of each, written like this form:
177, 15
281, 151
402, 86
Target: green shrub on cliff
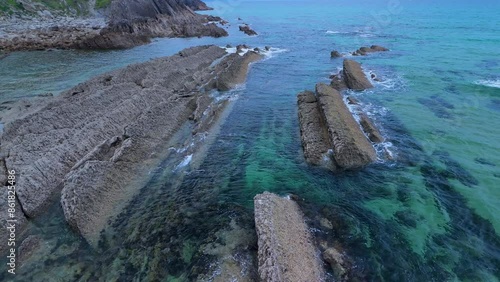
102, 3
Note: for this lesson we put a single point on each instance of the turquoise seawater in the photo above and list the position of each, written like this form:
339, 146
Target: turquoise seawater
432, 214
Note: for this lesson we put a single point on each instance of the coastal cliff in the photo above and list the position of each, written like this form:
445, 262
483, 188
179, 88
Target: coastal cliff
102, 24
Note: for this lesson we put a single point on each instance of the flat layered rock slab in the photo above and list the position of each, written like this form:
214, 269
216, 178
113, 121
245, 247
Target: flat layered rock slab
313, 131
286, 251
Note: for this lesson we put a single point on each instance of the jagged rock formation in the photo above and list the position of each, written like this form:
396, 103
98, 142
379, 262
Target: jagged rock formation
126, 23
314, 133
247, 30
328, 112
351, 77
93, 141
286, 251
363, 51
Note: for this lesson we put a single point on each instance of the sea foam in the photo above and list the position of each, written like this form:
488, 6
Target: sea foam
489, 83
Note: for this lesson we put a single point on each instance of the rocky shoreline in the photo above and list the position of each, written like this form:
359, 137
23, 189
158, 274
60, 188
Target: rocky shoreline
87, 146
331, 136
123, 24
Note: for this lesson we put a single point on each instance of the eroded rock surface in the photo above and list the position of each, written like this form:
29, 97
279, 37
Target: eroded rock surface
314, 133
351, 148
247, 30
94, 140
123, 24
286, 251
236, 72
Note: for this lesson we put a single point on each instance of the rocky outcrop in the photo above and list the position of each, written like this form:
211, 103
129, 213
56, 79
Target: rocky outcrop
247, 30
363, 51
351, 77
370, 129
197, 5
354, 76
326, 123
313, 130
351, 149
237, 70
335, 54
94, 141
127, 23
286, 251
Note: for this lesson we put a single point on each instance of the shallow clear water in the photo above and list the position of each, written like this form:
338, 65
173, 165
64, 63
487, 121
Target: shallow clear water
431, 215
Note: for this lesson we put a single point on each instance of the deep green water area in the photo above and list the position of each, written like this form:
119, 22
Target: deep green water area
430, 214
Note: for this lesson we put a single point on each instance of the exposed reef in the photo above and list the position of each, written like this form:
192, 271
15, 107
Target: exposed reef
326, 123
286, 249
363, 51
89, 145
351, 77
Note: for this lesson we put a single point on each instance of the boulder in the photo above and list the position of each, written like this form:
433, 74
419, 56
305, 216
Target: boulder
370, 129
313, 131
285, 248
351, 148
335, 54
354, 77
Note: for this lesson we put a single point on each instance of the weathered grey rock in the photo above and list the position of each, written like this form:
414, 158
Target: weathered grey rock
286, 251
370, 129
354, 77
93, 141
351, 147
338, 82
28, 247
247, 30
353, 101
236, 70
313, 130
335, 54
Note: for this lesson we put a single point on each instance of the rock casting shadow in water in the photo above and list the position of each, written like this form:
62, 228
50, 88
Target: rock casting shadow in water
381, 255
439, 106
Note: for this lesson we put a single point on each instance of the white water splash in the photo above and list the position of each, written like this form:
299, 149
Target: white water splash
187, 159
488, 83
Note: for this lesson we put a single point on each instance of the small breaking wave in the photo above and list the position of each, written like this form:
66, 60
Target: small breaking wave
488, 83
187, 159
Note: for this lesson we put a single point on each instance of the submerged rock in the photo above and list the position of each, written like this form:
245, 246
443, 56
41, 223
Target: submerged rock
327, 124
335, 54
286, 251
354, 76
370, 129
336, 261
98, 139
351, 148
